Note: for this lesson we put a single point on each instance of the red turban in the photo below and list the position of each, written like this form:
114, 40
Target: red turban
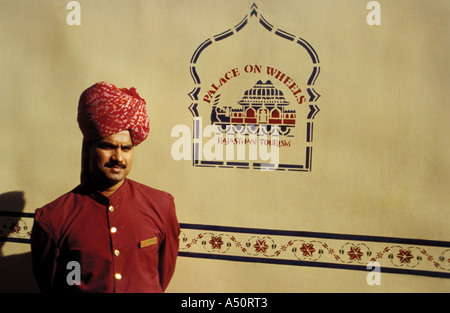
104, 110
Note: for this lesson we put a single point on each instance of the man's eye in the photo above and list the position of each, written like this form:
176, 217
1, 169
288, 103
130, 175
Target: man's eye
105, 146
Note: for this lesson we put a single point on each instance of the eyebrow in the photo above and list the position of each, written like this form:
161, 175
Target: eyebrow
110, 145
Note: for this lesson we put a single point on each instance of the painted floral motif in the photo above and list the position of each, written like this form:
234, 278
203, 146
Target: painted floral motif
261, 246
307, 249
216, 242
355, 253
14, 227
405, 256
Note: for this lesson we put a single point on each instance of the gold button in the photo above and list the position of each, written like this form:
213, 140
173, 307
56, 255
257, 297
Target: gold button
113, 230
111, 208
118, 276
116, 252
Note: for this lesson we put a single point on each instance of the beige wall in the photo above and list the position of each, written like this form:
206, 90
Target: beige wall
380, 149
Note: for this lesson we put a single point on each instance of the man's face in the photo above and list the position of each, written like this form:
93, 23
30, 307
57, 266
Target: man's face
112, 157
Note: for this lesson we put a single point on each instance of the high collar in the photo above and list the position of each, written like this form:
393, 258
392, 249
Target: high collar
116, 197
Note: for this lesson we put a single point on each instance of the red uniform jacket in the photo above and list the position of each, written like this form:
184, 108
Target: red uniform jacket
125, 243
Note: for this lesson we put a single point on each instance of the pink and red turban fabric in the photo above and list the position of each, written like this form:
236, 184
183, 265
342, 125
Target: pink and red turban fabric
104, 109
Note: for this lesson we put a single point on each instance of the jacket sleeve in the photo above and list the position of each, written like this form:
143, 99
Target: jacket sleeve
168, 250
43, 253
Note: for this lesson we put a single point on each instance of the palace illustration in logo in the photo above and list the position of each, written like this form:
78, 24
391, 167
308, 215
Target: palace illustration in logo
246, 84
261, 105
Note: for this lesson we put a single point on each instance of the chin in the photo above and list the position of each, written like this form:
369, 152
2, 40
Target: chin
110, 179
116, 179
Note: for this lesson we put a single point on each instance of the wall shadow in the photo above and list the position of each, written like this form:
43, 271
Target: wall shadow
16, 274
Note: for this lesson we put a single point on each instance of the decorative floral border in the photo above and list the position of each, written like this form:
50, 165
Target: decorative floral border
15, 226
395, 255
424, 258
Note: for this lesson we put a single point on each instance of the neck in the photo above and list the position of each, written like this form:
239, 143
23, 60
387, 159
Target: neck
107, 192
106, 188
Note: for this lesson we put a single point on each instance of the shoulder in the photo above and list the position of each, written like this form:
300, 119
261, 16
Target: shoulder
56, 204
149, 192
155, 200
65, 200
57, 211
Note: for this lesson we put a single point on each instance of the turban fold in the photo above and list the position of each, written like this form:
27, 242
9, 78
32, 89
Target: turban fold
104, 110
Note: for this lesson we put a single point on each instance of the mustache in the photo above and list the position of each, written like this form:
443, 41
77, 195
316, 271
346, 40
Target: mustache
114, 164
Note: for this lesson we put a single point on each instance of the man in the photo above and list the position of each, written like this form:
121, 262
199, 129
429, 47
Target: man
122, 235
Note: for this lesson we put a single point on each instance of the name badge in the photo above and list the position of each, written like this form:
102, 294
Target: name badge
148, 242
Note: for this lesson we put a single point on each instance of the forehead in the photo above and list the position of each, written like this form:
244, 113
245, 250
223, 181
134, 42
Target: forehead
122, 137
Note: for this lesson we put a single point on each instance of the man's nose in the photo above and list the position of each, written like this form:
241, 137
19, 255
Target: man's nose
117, 155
